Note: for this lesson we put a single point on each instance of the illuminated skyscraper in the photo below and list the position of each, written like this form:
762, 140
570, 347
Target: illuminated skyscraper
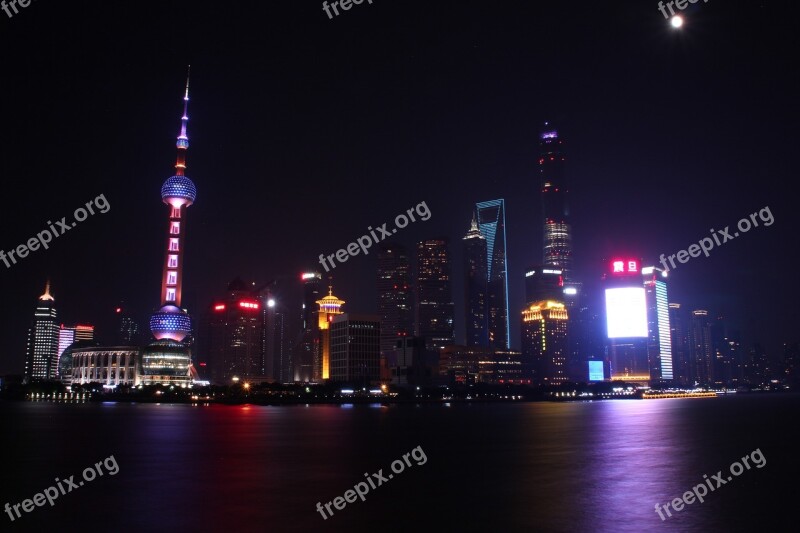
355, 349
394, 295
543, 283
791, 364
329, 307
42, 355
476, 286
557, 230
728, 355
758, 369
680, 345
434, 297
659, 340
236, 335
71, 334
701, 353
312, 291
544, 342
306, 355
626, 322
492, 225
168, 360
274, 336
66, 336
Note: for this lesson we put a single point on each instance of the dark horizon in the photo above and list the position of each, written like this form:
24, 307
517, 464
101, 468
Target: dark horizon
305, 131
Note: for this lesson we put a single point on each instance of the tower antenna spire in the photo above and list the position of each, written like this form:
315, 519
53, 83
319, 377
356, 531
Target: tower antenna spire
46, 295
183, 138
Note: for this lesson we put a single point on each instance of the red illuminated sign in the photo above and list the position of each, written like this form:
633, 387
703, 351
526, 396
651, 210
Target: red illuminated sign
219, 307
624, 266
244, 304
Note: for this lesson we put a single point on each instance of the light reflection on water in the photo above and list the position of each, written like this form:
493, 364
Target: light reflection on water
594, 466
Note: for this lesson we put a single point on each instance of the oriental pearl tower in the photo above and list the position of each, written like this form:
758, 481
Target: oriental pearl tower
168, 360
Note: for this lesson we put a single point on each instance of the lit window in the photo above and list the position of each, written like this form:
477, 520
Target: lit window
172, 262
173, 245
176, 212
170, 295
175, 228
172, 277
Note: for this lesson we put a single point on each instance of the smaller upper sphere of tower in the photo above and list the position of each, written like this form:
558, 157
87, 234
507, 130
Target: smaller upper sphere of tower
178, 190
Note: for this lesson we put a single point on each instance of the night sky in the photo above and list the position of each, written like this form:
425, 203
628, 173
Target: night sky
305, 130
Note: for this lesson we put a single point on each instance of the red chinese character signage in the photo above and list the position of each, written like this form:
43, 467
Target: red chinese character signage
624, 266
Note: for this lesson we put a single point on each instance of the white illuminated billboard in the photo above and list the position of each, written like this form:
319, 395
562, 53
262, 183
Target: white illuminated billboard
626, 312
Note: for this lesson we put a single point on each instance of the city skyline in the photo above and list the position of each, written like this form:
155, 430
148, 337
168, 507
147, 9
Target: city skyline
541, 246
180, 165
622, 186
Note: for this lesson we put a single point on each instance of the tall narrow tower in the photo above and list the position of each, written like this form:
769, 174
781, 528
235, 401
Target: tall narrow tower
167, 360
434, 298
492, 225
394, 295
306, 356
557, 230
659, 340
700, 347
42, 357
476, 286
329, 307
178, 192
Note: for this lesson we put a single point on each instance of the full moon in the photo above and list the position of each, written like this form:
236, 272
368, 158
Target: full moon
677, 21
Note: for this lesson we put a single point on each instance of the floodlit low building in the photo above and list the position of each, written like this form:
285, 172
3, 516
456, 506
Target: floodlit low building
110, 366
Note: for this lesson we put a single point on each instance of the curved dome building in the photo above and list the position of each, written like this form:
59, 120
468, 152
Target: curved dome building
166, 361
